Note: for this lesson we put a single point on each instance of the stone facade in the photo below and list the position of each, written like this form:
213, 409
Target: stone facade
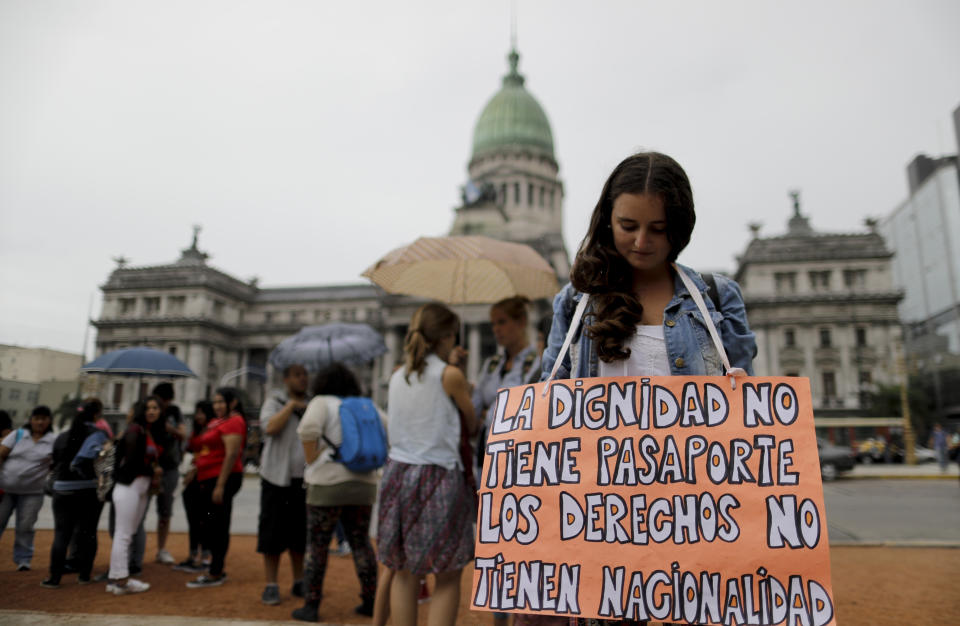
823, 306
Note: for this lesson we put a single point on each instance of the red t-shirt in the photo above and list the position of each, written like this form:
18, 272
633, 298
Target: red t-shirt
208, 448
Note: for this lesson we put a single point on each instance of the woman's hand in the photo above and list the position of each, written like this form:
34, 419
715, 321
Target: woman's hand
458, 357
217, 496
189, 476
157, 476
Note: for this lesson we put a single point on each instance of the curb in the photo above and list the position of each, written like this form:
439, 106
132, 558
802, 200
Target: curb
910, 543
39, 618
896, 477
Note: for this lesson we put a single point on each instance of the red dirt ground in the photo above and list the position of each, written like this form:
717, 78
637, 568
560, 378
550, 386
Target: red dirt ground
872, 585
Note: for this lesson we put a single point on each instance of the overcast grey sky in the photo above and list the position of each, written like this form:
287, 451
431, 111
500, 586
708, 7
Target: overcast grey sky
308, 138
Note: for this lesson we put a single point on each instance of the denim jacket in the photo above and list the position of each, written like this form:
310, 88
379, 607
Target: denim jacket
689, 348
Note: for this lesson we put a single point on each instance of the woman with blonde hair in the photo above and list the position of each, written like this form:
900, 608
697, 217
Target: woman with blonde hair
426, 507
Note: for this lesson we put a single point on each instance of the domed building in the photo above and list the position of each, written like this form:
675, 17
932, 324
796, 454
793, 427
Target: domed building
224, 328
513, 192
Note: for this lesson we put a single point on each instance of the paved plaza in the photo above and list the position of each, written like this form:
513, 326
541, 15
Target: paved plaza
874, 504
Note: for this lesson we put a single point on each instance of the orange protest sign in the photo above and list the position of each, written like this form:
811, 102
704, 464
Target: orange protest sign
667, 498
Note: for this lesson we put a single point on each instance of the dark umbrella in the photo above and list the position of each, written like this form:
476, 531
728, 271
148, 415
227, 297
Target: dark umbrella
138, 362
315, 347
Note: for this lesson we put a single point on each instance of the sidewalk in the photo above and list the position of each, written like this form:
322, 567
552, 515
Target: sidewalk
894, 471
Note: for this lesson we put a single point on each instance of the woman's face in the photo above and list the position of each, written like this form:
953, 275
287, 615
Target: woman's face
39, 424
507, 331
639, 224
200, 417
219, 406
152, 412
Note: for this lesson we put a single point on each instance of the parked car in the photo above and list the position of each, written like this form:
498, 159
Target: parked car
920, 453
834, 460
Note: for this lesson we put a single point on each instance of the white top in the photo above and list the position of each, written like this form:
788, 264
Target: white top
424, 421
282, 456
25, 470
648, 355
322, 417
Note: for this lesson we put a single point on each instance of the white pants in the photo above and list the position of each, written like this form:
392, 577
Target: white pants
129, 504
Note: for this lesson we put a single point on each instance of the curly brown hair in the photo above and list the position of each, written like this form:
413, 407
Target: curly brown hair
600, 271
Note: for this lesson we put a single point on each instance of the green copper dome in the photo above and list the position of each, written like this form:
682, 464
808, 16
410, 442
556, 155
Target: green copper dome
513, 117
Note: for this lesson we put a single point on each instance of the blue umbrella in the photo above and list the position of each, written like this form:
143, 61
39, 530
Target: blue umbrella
315, 347
138, 362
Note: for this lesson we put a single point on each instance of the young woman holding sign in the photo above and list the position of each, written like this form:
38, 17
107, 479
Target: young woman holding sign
426, 507
640, 309
630, 309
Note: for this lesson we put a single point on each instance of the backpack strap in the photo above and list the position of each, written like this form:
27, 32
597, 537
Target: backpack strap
494, 362
336, 414
574, 325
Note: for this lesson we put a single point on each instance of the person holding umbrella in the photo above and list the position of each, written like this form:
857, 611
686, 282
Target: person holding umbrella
426, 507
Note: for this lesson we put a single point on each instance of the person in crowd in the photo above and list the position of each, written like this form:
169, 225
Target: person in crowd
193, 503
513, 364
76, 508
137, 471
426, 507
25, 456
938, 443
335, 493
170, 433
92, 406
640, 318
219, 461
6, 424
283, 515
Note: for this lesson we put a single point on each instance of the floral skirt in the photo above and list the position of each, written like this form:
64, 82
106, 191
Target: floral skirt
425, 520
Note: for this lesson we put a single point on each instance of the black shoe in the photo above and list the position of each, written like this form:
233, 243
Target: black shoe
365, 609
307, 613
297, 589
83, 580
101, 578
50, 583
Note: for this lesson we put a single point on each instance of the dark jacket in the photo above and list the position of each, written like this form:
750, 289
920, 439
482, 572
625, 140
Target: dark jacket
132, 455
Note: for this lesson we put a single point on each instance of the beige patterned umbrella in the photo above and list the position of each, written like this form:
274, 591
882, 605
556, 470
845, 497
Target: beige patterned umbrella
464, 270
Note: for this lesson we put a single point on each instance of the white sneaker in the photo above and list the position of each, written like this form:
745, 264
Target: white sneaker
133, 586
165, 557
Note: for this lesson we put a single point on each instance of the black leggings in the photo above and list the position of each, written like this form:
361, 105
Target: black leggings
75, 514
216, 526
194, 507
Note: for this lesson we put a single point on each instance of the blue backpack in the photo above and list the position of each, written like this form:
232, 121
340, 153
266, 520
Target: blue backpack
364, 446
